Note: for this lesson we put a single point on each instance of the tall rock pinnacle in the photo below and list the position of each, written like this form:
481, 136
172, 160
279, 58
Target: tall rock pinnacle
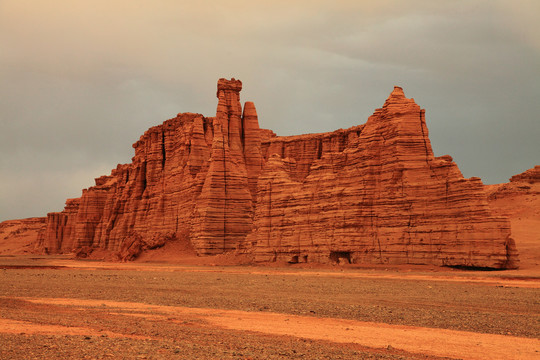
224, 210
229, 114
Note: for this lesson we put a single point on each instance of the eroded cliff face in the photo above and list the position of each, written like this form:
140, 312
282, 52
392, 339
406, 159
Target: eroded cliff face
371, 193
375, 193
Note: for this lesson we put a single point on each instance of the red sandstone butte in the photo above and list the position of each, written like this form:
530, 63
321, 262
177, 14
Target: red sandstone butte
374, 193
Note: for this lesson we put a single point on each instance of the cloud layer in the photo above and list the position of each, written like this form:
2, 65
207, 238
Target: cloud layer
81, 81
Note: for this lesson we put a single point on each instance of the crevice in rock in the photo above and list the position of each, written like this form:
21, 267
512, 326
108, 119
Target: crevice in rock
243, 133
225, 197
163, 155
424, 136
446, 192
380, 249
269, 213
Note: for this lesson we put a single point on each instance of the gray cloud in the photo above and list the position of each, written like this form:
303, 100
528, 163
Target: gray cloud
80, 82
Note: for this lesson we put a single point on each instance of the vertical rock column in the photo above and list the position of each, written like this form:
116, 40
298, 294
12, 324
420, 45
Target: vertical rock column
223, 213
252, 146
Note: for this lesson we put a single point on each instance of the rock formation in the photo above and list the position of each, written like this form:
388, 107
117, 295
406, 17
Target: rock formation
519, 201
373, 193
19, 236
532, 176
191, 176
525, 183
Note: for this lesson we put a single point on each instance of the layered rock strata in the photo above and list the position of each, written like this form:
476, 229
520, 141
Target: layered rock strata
531, 176
19, 236
373, 193
519, 200
191, 176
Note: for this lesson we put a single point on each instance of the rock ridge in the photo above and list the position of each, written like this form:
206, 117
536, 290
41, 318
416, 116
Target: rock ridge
373, 193
531, 176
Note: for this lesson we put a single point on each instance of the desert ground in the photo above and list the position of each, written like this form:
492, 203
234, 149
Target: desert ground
56, 307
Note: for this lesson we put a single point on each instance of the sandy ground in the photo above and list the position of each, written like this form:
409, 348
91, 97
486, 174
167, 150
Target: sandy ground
90, 308
436, 342
28, 327
515, 278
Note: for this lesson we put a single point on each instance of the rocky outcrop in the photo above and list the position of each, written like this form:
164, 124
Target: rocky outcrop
525, 183
519, 201
373, 193
19, 236
531, 176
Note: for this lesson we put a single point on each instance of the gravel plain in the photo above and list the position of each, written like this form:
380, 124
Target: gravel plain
477, 308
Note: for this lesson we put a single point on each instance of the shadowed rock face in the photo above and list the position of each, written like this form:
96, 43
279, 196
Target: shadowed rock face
371, 193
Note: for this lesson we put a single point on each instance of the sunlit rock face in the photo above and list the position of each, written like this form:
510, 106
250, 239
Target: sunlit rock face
531, 176
374, 193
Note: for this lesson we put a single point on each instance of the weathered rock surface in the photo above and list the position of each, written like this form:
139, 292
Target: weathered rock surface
531, 176
19, 236
527, 182
519, 200
373, 193
223, 211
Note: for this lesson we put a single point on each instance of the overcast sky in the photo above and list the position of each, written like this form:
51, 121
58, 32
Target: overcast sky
80, 81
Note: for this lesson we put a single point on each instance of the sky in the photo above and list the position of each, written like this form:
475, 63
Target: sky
80, 81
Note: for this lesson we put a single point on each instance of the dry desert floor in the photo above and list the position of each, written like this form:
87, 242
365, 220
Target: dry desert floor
60, 308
